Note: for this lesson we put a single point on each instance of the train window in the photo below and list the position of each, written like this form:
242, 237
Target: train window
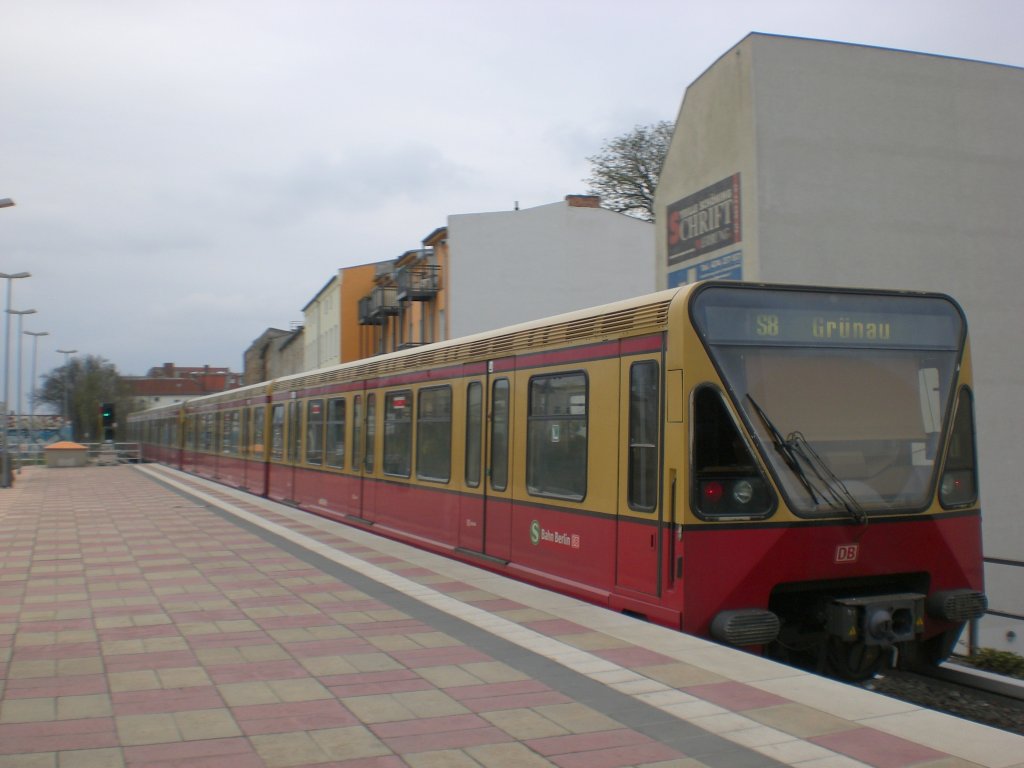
727, 480
959, 483
294, 432
556, 449
315, 432
258, 429
474, 425
499, 435
644, 401
208, 432
357, 432
246, 431
398, 433
434, 434
230, 433
277, 432
336, 433
371, 433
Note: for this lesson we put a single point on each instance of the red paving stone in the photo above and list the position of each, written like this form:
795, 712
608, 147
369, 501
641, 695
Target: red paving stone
76, 685
172, 700
85, 733
877, 748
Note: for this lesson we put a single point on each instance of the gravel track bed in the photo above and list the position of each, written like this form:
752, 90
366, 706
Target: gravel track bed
979, 706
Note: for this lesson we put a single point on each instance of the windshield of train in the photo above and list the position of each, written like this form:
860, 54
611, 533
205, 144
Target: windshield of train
846, 392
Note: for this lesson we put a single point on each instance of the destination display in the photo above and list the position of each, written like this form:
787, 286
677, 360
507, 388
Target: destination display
730, 316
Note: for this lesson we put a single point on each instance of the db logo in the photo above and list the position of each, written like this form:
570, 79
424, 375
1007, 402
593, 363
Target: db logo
846, 553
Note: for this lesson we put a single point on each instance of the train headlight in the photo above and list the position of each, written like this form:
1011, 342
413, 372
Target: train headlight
957, 487
740, 498
743, 492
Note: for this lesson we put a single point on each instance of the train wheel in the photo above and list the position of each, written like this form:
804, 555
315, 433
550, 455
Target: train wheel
854, 661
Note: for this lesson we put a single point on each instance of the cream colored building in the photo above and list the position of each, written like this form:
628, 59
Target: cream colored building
803, 161
322, 323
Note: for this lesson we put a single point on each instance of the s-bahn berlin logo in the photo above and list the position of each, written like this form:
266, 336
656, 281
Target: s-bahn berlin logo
539, 534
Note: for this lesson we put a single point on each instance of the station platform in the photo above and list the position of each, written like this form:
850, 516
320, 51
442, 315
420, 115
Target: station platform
148, 618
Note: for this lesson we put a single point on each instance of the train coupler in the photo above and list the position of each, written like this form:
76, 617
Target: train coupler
882, 620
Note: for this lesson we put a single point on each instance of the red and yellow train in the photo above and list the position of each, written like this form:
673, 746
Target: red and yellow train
785, 468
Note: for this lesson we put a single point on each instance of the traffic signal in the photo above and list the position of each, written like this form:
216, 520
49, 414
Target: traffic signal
107, 421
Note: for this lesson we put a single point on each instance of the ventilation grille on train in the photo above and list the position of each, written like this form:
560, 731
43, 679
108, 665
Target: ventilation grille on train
958, 605
651, 317
745, 627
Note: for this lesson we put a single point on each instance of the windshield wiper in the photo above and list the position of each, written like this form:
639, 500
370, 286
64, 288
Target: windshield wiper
825, 487
836, 489
786, 450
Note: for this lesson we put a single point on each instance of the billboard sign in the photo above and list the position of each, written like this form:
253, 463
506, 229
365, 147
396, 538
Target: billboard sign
704, 221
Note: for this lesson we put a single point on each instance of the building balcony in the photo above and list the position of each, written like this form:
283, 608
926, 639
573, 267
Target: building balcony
381, 302
418, 282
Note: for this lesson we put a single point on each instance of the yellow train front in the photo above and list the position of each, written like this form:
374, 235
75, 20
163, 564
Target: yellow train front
786, 469
832, 512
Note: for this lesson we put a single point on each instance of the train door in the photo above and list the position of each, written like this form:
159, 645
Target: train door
638, 535
497, 498
281, 479
257, 452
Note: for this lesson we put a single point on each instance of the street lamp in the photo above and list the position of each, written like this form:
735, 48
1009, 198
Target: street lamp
5, 461
67, 413
32, 392
6, 203
18, 405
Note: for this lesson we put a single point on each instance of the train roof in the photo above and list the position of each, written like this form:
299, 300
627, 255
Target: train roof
648, 313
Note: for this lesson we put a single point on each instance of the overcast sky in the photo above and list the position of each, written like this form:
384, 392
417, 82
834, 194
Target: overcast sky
188, 173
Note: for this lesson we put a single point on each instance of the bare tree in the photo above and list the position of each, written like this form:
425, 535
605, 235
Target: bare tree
81, 386
625, 172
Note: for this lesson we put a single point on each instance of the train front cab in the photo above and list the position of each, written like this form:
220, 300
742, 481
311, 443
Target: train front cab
832, 511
